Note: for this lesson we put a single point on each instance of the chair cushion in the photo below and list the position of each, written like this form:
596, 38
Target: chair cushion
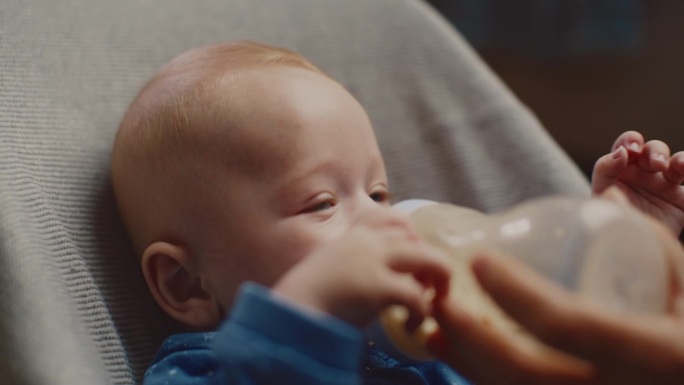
73, 306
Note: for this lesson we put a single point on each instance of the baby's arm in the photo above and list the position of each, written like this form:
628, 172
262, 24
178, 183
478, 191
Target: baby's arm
647, 174
380, 262
304, 330
264, 341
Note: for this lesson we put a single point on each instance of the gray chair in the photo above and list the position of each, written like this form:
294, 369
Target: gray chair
73, 306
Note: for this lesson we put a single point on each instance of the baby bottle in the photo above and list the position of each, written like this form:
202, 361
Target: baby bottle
601, 250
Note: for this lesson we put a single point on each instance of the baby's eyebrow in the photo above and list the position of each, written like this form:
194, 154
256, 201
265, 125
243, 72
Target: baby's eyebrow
303, 173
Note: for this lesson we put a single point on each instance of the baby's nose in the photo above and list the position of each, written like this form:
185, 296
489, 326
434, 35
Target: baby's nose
378, 215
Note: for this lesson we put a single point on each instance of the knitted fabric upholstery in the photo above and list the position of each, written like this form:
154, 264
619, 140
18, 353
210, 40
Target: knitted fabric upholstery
73, 305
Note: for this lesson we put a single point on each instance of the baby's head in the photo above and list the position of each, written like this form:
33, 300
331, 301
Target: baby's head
233, 163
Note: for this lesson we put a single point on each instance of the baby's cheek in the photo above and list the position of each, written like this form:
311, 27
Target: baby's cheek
297, 246
297, 238
302, 243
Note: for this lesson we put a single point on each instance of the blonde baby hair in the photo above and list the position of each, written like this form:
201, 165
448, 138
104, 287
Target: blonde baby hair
165, 125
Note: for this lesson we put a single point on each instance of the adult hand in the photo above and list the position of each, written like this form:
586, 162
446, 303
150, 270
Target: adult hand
586, 343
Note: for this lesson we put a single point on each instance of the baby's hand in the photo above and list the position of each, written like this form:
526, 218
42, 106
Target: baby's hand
648, 176
379, 262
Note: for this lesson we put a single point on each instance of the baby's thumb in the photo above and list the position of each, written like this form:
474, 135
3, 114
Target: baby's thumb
615, 195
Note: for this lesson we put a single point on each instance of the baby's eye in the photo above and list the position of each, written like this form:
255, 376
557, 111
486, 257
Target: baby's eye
379, 196
320, 206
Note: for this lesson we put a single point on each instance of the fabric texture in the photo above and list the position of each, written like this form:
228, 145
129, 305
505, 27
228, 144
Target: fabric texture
267, 339
73, 306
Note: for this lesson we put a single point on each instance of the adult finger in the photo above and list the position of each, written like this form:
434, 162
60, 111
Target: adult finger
608, 339
487, 355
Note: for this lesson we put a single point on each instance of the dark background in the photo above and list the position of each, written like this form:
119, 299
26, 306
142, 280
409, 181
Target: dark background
589, 69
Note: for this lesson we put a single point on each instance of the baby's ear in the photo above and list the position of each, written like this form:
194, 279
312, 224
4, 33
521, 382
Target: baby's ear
177, 287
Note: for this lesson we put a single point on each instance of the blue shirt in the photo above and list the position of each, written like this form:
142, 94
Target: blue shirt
268, 341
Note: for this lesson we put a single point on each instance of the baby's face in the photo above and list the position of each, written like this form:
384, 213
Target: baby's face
312, 167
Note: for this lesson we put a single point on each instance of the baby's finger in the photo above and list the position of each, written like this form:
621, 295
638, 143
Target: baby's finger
655, 156
633, 141
423, 261
608, 168
675, 173
404, 290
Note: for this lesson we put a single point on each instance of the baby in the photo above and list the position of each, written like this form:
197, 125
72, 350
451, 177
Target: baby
252, 186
